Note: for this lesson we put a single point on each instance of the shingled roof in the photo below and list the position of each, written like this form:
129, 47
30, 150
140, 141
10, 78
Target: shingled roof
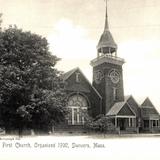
147, 102
115, 108
118, 108
68, 74
148, 110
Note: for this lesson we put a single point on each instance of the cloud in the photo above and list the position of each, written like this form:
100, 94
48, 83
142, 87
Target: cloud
71, 43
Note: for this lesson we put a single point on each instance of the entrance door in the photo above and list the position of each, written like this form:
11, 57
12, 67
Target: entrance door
122, 123
146, 124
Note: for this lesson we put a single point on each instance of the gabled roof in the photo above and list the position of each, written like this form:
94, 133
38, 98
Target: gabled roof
126, 98
116, 108
66, 75
148, 110
138, 102
147, 102
133, 104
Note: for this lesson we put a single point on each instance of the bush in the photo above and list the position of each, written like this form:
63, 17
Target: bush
100, 124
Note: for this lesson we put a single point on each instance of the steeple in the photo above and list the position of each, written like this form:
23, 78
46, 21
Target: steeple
106, 44
107, 70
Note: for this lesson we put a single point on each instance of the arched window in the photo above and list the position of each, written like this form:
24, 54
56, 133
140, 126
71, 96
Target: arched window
77, 105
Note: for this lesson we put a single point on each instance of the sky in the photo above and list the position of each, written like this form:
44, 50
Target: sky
73, 29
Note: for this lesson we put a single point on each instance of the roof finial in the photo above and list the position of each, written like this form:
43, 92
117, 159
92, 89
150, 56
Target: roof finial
106, 27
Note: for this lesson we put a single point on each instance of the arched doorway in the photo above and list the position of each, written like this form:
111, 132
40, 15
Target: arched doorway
77, 105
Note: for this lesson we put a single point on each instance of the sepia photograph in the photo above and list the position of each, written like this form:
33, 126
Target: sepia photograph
79, 79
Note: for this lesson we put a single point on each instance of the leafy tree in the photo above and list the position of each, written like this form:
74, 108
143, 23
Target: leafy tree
100, 124
31, 91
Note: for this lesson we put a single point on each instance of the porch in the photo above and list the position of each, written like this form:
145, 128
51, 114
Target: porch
125, 124
150, 117
151, 125
123, 118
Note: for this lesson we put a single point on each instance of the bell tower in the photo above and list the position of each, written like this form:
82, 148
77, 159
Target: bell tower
107, 70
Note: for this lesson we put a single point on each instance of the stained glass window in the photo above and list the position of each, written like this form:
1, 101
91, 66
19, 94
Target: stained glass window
78, 106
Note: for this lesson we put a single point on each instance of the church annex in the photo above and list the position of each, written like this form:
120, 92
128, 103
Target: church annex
106, 94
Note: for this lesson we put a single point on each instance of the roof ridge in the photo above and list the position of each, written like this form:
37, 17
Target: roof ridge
67, 74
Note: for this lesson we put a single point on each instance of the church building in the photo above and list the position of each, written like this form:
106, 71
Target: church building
106, 93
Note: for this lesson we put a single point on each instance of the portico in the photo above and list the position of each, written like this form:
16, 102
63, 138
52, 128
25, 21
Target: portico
123, 117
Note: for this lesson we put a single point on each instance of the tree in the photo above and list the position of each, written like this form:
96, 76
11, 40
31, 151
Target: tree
32, 94
100, 124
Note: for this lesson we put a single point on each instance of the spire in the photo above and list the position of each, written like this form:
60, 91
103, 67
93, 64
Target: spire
106, 44
106, 27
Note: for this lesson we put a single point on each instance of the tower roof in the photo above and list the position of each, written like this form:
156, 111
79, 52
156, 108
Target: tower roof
106, 43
